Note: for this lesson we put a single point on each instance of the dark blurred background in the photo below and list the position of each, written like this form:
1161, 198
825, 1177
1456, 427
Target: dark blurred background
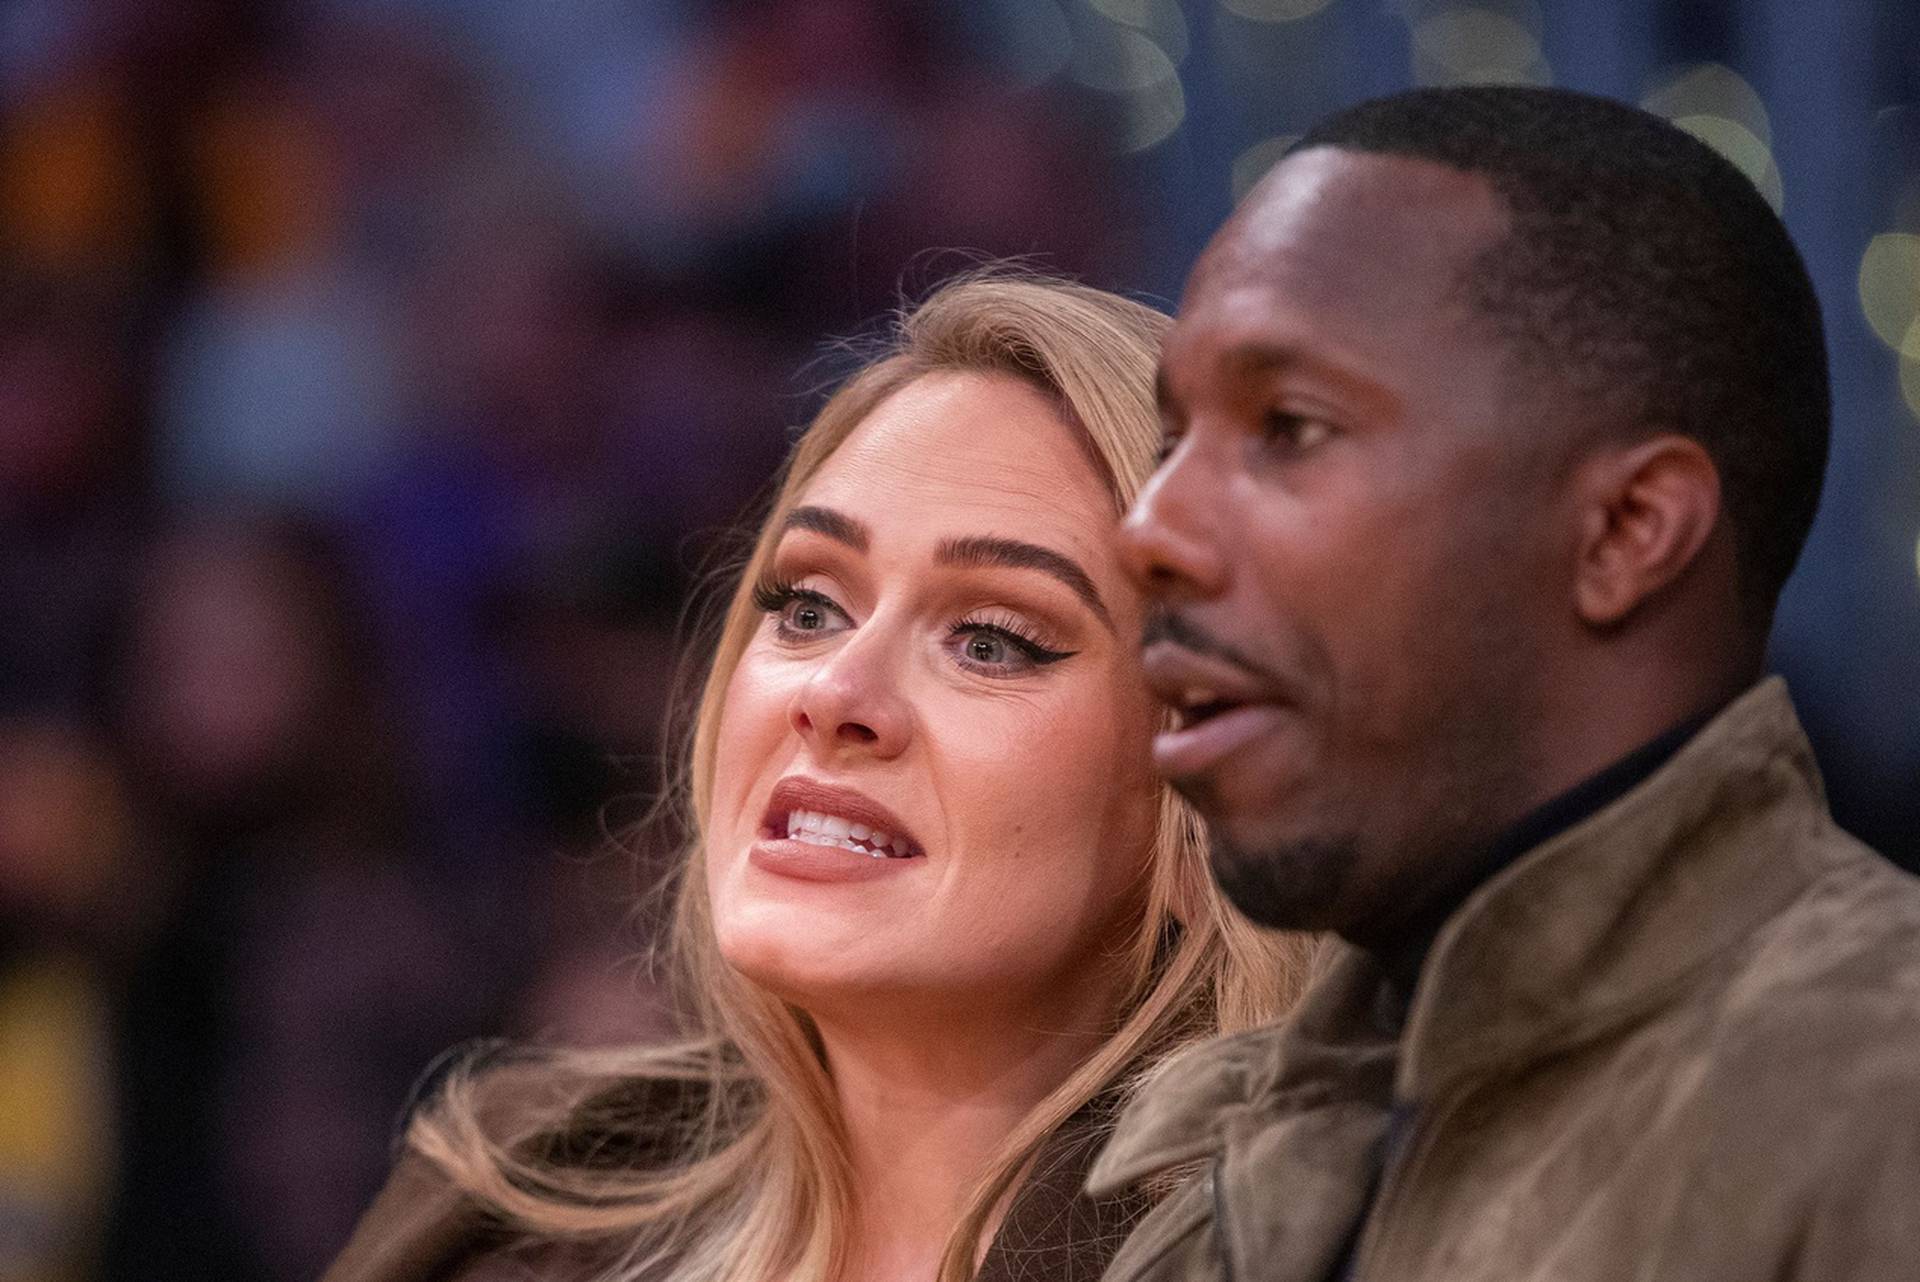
376, 375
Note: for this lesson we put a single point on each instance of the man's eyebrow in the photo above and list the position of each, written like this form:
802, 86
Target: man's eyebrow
987, 549
1242, 357
837, 526
1257, 356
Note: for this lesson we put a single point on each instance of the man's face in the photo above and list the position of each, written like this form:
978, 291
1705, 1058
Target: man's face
1352, 537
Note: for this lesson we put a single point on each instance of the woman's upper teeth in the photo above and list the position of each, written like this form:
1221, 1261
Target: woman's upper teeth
832, 830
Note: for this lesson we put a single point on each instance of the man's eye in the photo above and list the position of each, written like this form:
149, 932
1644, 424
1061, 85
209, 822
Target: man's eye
1295, 431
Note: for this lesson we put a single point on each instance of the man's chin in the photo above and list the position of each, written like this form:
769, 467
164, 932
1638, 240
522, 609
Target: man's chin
1288, 884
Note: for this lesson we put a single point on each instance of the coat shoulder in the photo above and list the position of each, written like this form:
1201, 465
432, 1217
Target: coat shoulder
1839, 970
424, 1227
1176, 1116
1800, 1060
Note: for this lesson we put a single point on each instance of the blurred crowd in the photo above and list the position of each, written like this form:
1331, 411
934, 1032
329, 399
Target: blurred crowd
375, 379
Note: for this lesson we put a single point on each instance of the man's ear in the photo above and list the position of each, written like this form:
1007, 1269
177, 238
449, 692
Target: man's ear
1646, 509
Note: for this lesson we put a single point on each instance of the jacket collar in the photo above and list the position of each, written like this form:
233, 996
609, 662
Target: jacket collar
1299, 1114
1591, 929
1337, 1049
1598, 925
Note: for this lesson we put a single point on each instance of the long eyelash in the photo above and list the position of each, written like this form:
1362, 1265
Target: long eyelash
775, 595
769, 595
1015, 637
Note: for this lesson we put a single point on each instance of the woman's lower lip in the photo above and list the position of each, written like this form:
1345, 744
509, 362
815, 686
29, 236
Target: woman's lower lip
805, 861
1181, 754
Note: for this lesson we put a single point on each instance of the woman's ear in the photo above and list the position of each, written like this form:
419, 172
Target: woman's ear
1647, 508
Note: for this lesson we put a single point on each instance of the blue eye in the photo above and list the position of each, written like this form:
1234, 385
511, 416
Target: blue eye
798, 612
1002, 649
996, 648
984, 647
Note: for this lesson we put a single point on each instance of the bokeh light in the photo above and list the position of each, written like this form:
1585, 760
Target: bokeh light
1748, 153
1890, 287
1274, 10
1037, 42
1159, 20
1251, 165
1711, 89
1910, 370
1716, 105
1120, 60
1477, 44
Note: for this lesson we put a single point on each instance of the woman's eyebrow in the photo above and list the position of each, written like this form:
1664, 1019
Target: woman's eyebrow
986, 549
837, 526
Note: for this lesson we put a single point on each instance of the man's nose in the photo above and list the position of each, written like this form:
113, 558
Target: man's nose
1169, 540
852, 701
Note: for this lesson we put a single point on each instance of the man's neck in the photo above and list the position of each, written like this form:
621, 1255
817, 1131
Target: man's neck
1404, 956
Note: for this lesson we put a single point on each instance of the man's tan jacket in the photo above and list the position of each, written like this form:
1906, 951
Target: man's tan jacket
1679, 1042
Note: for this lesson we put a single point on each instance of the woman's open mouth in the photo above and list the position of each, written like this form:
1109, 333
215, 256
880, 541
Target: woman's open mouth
820, 829
819, 814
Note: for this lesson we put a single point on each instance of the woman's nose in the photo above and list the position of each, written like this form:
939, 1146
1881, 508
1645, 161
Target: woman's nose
851, 702
1169, 541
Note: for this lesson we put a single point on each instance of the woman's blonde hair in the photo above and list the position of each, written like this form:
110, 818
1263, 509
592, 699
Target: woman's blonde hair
758, 1187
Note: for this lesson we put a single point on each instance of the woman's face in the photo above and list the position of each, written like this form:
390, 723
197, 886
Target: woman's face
947, 660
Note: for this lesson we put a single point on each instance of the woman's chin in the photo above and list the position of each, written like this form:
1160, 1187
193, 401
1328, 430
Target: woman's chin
807, 963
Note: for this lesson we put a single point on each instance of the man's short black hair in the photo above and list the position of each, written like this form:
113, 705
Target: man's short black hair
1647, 274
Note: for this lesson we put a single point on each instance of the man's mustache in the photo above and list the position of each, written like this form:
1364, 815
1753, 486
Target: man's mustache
1171, 626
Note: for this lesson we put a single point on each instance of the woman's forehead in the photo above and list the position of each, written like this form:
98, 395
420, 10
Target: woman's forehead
951, 452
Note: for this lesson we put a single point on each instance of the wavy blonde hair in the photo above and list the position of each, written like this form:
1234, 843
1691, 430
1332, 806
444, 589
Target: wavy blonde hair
759, 1185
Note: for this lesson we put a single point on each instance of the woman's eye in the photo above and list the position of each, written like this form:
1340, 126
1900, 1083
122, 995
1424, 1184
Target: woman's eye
805, 616
1002, 650
982, 648
799, 612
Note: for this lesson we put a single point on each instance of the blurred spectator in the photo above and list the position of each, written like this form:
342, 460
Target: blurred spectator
492, 315
302, 970
71, 904
71, 484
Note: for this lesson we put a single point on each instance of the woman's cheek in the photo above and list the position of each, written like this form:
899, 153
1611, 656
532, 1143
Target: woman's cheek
753, 726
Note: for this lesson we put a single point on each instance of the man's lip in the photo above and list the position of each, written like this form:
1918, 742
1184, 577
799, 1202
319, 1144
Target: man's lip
1234, 706
1177, 675
1194, 750
798, 793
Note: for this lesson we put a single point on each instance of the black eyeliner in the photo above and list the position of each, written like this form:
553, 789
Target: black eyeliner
1034, 651
774, 596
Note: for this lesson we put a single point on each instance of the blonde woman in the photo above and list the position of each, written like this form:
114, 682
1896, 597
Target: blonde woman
939, 918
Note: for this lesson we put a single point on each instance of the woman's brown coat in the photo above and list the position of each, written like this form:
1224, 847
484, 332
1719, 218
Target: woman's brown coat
423, 1229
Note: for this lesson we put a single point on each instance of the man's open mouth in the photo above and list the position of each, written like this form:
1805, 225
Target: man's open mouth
1199, 687
1199, 703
